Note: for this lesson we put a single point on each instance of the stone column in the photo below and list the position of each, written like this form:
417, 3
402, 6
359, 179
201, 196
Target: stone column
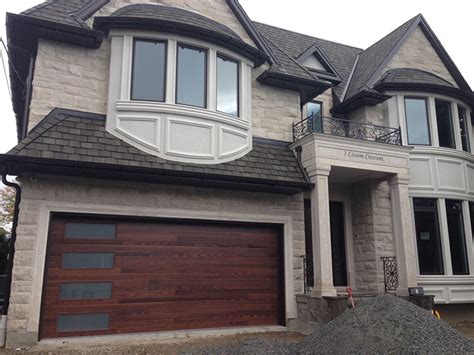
403, 234
322, 257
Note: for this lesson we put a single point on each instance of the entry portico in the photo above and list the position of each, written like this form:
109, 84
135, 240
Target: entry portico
372, 171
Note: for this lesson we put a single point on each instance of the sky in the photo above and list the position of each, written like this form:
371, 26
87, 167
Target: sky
357, 23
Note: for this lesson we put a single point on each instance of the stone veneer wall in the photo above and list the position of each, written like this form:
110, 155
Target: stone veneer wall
136, 198
77, 78
417, 52
372, 233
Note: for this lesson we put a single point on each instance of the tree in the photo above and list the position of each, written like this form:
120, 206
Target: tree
7, 205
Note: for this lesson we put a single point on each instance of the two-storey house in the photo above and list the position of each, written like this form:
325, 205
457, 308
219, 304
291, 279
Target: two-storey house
183, 167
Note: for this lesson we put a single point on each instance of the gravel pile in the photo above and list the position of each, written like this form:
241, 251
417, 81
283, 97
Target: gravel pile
384, 324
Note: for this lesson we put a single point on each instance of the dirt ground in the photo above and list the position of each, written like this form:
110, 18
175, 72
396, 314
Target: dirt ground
168, 347
466, 328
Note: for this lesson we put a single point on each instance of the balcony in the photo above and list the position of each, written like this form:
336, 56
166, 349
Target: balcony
345, 128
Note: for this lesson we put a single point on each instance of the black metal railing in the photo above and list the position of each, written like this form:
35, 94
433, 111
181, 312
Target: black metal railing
308, 274
346, 128
390, 273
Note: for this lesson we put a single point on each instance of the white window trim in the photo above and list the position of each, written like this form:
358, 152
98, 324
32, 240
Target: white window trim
220, 137
433, 124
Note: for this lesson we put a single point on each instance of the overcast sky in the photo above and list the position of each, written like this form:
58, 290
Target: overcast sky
357, 23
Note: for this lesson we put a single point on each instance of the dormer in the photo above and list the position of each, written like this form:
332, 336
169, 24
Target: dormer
314, 60
180, 84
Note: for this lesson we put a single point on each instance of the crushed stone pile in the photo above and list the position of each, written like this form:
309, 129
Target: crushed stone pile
384, 324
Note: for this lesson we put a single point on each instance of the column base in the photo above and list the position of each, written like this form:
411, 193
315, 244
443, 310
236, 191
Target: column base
323, 291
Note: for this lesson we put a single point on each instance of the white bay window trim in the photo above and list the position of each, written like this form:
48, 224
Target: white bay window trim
173, 131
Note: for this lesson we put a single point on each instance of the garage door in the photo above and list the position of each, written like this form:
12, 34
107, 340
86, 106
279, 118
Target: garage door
109, 276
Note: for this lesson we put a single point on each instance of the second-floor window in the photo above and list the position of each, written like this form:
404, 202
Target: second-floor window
149, 71
418, 129
463, 125
445, 124
191, 77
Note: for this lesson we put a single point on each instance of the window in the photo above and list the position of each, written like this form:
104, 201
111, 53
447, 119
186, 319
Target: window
89, 231
149, 70
418, 129
82, 322
314, 108
445, 124
227, 86
463, 124
471, 212
88, 260
85, 291
430, 256
457, 238
191, 81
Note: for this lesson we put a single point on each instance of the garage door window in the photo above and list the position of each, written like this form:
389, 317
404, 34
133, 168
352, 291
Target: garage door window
85, 291
89, 231
88, 260
82, 322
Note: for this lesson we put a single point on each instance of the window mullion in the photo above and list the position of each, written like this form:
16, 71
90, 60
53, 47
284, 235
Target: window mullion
456, 126
171, 72
443, 221
126, 68
212, 80
433, 121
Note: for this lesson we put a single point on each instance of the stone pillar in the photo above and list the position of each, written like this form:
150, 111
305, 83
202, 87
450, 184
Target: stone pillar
322, 257
403, 234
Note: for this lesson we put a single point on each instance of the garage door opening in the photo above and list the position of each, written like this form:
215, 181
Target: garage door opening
116, 275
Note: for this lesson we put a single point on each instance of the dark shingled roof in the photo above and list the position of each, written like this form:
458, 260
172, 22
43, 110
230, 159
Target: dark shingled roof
75, 136
412, 76
372, 58
293, 44
174, 14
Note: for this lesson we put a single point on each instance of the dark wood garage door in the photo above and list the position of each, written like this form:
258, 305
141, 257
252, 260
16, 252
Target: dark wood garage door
109, 276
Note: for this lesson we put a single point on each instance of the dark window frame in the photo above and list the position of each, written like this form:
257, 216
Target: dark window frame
206, 74
450, 120
436, 212
165, 67
425, 99
238, 62
463, 238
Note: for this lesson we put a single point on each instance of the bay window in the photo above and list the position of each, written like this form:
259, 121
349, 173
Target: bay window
149, 71
191, 76
227, 86
444, 120
418, 128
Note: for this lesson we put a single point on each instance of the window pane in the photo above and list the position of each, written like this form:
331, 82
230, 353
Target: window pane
85, 291
227, 86
463, 124
89, 231
445, 124
81, 322
191, 78
471, 212
430, 256
314, 108
149, 71
457, 238
88, 260
417, 121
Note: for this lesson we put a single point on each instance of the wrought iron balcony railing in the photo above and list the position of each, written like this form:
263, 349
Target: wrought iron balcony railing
345, 128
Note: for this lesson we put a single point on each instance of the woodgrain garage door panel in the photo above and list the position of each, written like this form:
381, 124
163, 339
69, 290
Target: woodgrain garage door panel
165, 276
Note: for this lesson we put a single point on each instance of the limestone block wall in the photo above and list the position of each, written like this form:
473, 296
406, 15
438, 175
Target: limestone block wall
418, 53
372, 233
138, 199
376, 115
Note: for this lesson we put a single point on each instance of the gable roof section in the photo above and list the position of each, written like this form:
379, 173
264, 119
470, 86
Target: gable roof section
315, 51
293, 44
72, 143
375, 59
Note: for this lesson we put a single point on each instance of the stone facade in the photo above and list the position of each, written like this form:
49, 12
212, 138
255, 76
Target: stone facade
372, 233
418, 53
141, 200
376, 115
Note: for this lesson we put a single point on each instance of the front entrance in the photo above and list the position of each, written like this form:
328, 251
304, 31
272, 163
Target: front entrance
338, 244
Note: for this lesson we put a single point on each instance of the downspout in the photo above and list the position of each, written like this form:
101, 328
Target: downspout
299, 150
11, 253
